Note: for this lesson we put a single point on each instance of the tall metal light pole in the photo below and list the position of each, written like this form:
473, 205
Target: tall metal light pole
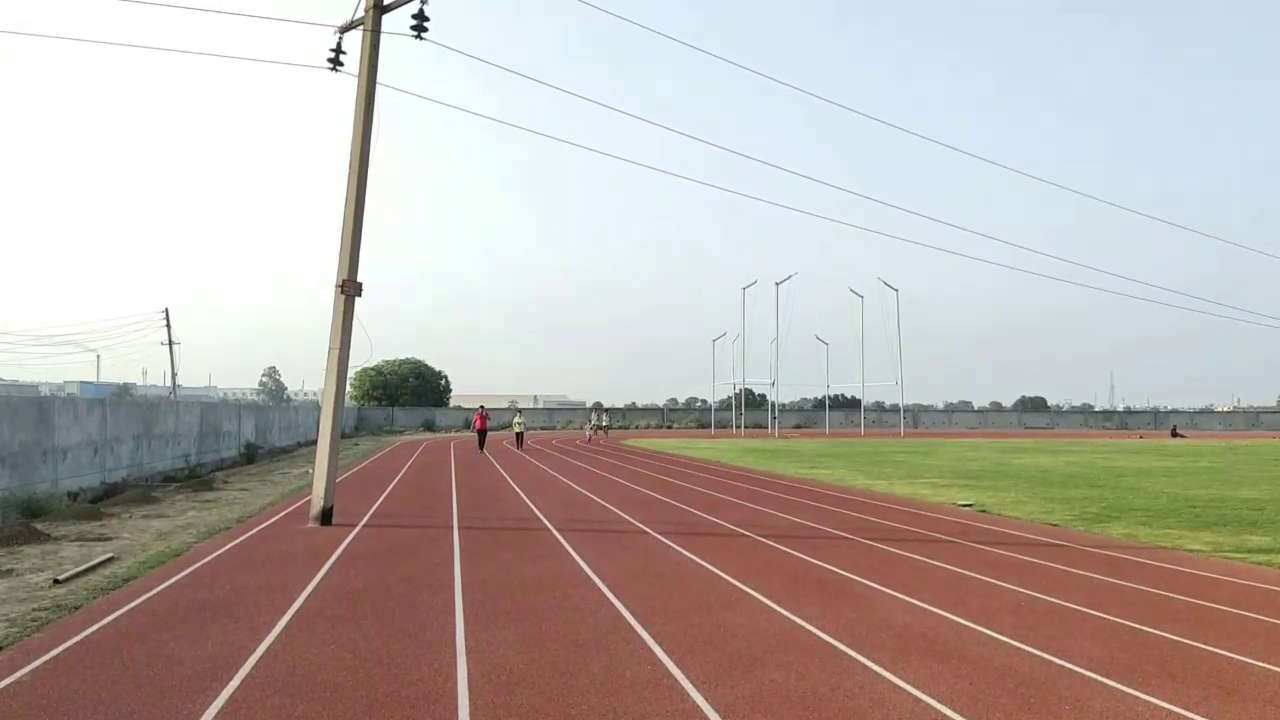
862, 361
714, 340
768, 400
902, 394
777, 348
733, 377
743, 333
826, 396
348, 288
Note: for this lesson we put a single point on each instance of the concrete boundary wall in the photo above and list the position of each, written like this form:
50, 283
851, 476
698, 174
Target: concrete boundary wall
63, 443
442, 419
57, 443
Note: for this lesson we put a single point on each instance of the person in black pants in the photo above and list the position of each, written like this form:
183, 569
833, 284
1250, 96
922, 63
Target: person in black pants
517, 425
480, 423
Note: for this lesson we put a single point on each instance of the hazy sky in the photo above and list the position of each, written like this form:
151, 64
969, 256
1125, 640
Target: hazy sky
136, 180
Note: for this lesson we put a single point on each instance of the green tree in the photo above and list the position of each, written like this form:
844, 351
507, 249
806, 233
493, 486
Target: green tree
597, 405
271, 387
1030, 403
671, 403
995, 405
123, 391
401, 382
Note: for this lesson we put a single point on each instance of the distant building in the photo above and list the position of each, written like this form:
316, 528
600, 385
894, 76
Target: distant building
19, 388
527, 402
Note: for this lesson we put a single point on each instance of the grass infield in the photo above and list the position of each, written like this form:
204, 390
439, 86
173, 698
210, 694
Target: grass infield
1217, 498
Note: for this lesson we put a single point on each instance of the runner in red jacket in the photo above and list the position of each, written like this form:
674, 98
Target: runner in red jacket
480, 423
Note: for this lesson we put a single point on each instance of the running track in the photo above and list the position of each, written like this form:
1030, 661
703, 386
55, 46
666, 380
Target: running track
608, 582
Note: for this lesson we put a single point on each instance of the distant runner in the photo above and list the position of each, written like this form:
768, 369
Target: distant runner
604, 423
586, 427
517, 424
480, 423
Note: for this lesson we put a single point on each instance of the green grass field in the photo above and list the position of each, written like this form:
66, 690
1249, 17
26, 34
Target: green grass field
1219, 498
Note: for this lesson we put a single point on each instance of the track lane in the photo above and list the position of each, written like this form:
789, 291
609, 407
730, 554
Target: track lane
168, 657
63, 635
1189, 678
543, 639
1252, 636
1236, 585
974, 675
748, 660
375, 638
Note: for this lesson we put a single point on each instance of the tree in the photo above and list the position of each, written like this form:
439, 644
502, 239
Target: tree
1030, 403
513, 404
877, 405
123, 391
995, 405
401, 382
597, 405
958, 405
271, 387
671, 403
633, 405
689, 403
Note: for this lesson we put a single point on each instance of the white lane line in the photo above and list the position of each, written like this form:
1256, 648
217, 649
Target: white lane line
18, 675
231, 687
459, 622
905, 598
1007, 531
949, 538
855, 655
654, 647
952, 568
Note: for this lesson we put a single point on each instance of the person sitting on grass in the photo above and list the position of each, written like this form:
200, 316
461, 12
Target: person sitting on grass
1173, 432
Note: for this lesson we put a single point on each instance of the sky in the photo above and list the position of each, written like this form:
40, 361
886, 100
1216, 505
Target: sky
134, 181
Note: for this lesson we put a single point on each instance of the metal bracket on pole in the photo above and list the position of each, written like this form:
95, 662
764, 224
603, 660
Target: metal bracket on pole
358, 23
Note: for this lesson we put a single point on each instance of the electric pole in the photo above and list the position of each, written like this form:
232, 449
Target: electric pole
173, 364
348, 288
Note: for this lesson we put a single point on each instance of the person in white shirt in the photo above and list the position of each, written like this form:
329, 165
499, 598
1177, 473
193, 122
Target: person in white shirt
604, 423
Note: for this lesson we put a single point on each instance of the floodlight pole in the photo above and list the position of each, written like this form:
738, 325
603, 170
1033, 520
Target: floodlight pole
902, 394
733, 384
862, 361
826, 396
777, 349
768, 406
714, 340
743, 425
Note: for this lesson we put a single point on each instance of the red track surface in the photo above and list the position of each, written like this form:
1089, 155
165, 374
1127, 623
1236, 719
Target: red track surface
670, 588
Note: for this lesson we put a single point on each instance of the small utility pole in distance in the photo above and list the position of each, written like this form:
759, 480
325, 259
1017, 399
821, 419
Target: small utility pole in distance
173, 365
348, 288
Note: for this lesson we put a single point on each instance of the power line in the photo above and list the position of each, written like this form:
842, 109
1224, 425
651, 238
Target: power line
737, 193
85, 347
77, 340
743, 155
926, 138
77, 324
815, 215
179, 51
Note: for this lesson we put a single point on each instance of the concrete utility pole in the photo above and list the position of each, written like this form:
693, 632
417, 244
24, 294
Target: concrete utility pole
348, 288
173, 365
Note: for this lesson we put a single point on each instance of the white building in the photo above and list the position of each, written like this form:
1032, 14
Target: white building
522, 401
